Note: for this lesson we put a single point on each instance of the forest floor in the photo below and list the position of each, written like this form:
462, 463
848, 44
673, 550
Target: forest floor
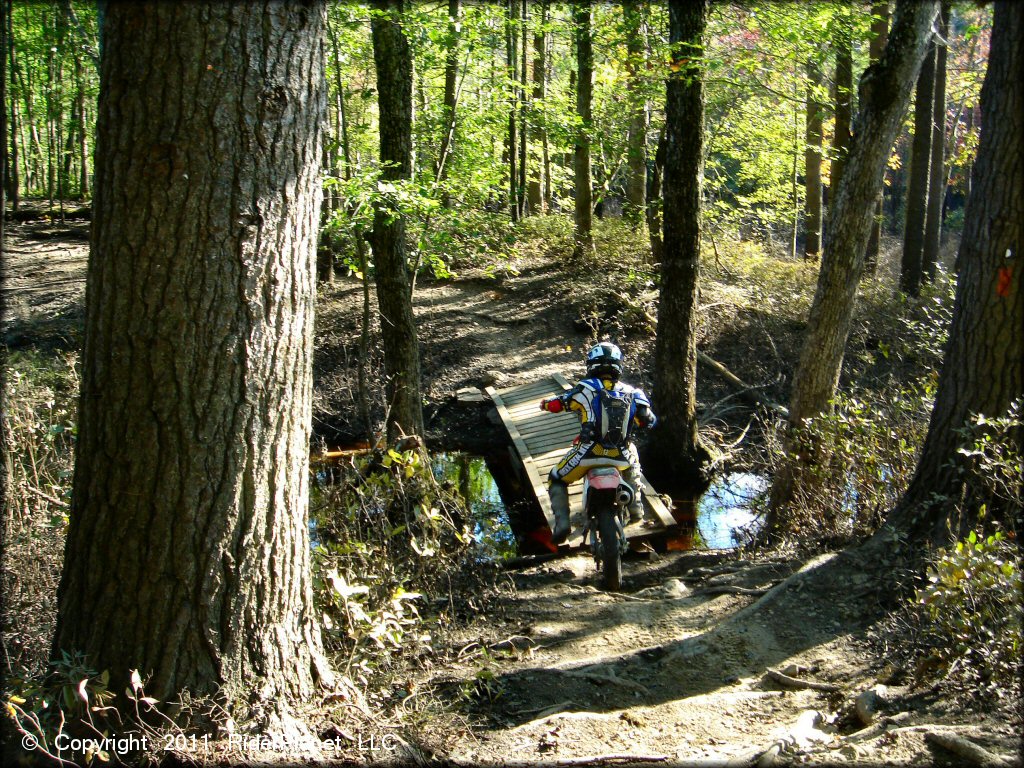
712, 657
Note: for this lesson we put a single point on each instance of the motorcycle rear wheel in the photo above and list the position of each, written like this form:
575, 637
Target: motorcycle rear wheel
611, 555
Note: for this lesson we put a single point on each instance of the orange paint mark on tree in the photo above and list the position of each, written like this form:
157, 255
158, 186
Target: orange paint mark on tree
1003, 281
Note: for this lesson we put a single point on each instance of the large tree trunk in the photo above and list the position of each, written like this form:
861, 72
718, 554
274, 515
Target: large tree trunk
393, 60
879, 36
187, 554
885, 93
812, 165
636, 141
937, 164
917, 190
583, 239
982, 372
675, 456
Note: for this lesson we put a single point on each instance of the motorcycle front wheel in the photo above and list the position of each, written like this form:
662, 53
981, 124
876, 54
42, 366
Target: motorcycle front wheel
611, 555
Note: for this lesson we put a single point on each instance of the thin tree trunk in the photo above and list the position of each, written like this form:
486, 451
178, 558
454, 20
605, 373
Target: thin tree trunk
636, 140
5, 173
535, 189
937, 163
812, 164
523, 147
393, 61
512, 139
981, 372
794, 180
675, 456
83, 145
879, 36
885, 90
654, 201
844, 96
14, 177
451, 72
583, 239
187, 554
917, 190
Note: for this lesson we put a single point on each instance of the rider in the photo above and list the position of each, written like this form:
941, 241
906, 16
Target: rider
608, 410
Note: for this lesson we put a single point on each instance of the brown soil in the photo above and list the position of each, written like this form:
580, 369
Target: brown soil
673, 669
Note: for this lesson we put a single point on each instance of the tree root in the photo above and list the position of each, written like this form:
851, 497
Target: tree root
600, 679
968, 750
729, 589
564, 716
773, 675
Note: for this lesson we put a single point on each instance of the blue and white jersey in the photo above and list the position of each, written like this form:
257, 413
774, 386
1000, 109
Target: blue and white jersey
608, 410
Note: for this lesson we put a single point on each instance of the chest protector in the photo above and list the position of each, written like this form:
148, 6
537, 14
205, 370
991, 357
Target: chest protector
615, 417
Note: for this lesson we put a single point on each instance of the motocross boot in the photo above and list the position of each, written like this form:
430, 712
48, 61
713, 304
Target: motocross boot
636, 510
559, 494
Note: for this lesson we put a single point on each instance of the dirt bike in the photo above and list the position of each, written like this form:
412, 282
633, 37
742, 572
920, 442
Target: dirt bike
606, 499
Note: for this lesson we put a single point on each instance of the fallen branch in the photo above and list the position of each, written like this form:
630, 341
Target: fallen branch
746, 391
48, 497
796, 683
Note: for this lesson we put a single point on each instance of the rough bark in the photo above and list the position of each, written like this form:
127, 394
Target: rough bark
393, 60
982, 371
885, 93
636, 140
937, 163
879, 37
675, 456
917, 188
583, 239
812, 165
187, 554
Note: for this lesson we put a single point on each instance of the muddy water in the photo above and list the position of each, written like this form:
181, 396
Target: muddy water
722, 517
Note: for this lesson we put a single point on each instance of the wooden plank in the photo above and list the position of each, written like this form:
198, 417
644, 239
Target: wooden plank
518, 396
539, 489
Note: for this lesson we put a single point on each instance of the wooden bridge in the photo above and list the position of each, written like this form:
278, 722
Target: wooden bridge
542, 438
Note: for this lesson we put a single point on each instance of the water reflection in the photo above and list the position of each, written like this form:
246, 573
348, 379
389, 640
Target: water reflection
473, 480
724, 514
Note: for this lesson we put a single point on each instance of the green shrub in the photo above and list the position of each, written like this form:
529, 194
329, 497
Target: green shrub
970, 614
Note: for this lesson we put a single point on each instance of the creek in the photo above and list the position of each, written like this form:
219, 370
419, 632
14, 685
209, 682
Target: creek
506, 521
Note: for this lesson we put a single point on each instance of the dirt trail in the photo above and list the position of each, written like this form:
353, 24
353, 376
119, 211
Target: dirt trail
673, 670
681, 669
